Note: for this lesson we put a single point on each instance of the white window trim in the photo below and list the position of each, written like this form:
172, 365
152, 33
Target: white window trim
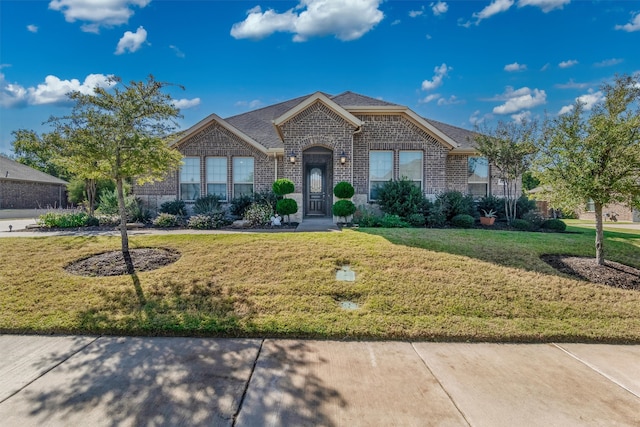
392, 169
226, 175
234, 182
199, 182
421, 166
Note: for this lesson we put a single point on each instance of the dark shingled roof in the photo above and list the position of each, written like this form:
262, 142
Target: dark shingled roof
14, 171
258, 125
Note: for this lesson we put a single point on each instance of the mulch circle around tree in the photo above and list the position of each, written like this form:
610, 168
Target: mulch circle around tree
611, 273
112, 263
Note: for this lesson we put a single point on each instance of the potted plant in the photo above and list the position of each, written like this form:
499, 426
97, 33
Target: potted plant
488, 218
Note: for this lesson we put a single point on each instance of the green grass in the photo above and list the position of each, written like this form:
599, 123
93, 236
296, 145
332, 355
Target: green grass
419, 284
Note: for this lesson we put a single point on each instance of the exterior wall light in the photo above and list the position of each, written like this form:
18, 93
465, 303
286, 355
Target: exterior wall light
292, 158
343, 158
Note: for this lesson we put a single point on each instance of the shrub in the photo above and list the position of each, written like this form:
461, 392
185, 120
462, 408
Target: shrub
392, 221
454, 203
554, 224
535, 218
240, 204
174, 207
283, 186
208, 222
165, 220
206, 204
63, 219
416, 220
521, 224
436, 218
343, 190
463, 221
524, 206
92, 221
286, 207
491, 202
401, 198
343, 208
366, 218
266, 197
258, 214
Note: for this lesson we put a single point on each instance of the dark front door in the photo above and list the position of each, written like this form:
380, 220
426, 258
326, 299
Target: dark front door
316, 189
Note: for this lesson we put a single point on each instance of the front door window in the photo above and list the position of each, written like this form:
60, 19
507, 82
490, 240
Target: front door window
316, 190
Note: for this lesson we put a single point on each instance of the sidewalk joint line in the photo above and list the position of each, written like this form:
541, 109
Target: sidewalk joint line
424, 362
246, 386
594, 368
43, 373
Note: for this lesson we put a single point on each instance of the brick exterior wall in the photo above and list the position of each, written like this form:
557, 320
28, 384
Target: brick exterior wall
624, 213
31, 195
457, 177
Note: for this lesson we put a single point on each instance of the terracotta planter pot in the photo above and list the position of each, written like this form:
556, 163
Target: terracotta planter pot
487, 221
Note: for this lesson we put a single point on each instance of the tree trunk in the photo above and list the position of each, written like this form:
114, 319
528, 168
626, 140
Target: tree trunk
599, 235
123, 227
90, 186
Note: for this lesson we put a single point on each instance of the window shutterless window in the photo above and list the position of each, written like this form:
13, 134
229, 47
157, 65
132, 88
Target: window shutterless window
242, 175
190, 178
216, 168
380, 171
410, 167
478, 176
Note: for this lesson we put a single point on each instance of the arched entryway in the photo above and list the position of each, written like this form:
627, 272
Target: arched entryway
318, 181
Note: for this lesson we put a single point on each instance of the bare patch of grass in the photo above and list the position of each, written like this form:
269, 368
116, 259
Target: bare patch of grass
411, 284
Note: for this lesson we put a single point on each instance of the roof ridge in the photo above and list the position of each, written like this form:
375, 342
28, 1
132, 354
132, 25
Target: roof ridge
301, 98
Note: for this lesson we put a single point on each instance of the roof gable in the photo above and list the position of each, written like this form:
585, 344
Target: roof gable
316, 97
12, 170
351, 99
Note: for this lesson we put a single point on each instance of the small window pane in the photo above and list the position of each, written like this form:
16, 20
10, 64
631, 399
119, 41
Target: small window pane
242, 175
478, 170
217, 176
380, 171
219, 190
411, 166
190, 178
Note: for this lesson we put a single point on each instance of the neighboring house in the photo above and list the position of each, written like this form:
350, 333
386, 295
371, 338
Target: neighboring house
22, 187
317, 141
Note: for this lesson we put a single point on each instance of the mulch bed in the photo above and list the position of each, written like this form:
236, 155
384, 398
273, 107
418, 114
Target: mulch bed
611, 273
112, 263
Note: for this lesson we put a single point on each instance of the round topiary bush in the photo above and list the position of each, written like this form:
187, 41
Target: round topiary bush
286, 207
343, 208
344, 190
462, 221
521, 224
283, 186
554, 224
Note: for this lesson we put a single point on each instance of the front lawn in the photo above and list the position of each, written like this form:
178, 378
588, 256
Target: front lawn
419, 284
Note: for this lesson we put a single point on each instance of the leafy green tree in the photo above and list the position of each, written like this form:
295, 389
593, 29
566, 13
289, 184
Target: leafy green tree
529, 181
37, 152
120, 134
510, 147
595, 155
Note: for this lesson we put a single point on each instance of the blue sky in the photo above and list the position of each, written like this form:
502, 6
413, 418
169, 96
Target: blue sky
461, 62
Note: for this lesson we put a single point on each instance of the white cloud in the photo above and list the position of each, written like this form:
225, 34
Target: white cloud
131, 41
520, 99
515, 67
178, 52
609, 62
396, 22
545, 67
545, 5
589, 100
345, 19
567, 64
250, 104
52, 91
439, 8
520, 117
428, 36
430, 98
452, 100
436, 81
105, 13
183, 104
496, 6
416, 13
475, 118
32, 28
571, 85
633, 25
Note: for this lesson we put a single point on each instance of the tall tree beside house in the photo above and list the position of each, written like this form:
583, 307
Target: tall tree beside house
595, 155
36, 151
120, 134
510, 148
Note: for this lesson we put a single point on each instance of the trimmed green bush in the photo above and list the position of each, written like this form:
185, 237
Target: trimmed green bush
165, 220
206, 204
344, 190
400, 198
63, 219
554, 224
174, 207
416, 220
463, 221
535, 218
454, 203
240, 204
343, 208
283, 186
521, 224
392, 221
210, 221
287, 207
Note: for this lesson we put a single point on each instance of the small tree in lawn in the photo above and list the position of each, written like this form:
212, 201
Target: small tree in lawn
595, 155
285, 206
343, 208
119, 133
510, 147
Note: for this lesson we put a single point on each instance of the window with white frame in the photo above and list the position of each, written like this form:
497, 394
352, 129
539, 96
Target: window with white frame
190, 178
590, 206
410, 167
242, 176
478, 176
216, 169
380, 171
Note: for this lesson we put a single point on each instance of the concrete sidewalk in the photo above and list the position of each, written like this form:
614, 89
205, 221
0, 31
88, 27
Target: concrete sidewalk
104, 381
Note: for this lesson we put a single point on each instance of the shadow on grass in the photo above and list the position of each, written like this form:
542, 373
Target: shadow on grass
173, 381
